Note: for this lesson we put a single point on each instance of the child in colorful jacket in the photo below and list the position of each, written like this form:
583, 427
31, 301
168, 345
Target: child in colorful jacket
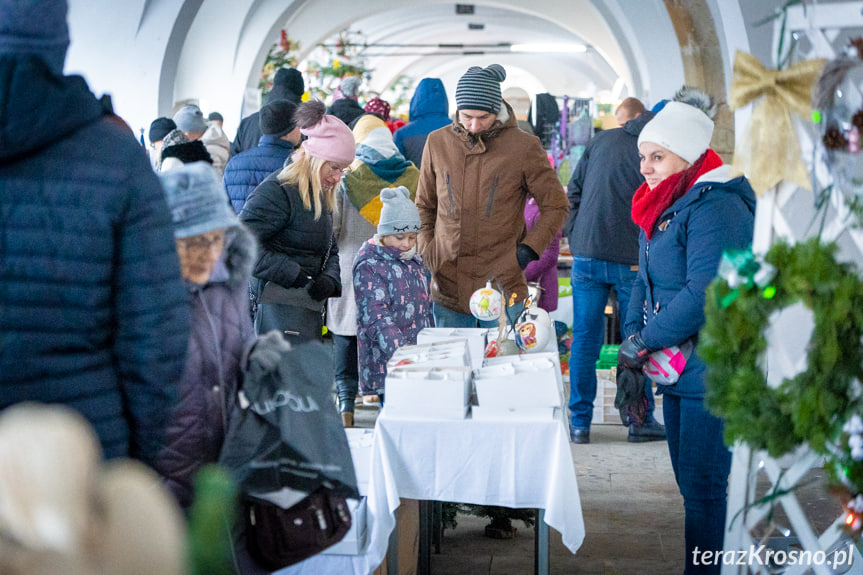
391, 287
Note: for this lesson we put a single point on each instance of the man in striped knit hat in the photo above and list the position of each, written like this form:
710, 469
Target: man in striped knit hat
475, 178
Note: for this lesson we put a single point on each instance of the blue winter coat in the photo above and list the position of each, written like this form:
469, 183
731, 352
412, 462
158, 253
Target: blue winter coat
221, 333
93, 313
680, 261
248, 169
429, 111
393, 306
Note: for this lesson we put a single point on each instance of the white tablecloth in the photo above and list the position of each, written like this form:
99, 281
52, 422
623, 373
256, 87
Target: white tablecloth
506, 463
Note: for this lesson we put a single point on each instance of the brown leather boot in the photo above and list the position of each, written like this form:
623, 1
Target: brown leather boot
348, 418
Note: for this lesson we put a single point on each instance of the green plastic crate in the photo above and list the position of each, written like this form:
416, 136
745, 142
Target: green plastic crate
607, 357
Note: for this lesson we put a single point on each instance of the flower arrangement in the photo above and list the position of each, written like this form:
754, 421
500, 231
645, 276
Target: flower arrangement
331, 63
282, 54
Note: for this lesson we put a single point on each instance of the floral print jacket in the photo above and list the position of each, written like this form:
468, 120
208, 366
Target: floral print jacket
393, 305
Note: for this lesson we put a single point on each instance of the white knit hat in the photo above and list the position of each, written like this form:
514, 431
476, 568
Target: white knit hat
681, 129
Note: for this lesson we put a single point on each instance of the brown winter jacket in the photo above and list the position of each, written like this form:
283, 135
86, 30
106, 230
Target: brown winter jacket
471, 199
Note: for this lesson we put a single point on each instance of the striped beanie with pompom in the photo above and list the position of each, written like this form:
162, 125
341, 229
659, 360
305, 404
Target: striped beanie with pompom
479, 89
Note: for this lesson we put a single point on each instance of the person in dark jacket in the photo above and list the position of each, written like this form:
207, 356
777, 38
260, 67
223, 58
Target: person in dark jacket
92, 309
429, 111
345, 106
290, 213
216, 256
159, 128
248, 169
288, 84
604, 244
689, 210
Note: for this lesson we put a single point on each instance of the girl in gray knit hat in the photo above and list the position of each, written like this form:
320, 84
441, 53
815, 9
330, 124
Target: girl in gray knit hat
391, 287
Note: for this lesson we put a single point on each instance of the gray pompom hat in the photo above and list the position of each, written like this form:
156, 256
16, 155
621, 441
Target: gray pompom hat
399, 215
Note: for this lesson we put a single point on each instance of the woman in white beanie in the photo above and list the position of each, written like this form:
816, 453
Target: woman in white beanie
689, 211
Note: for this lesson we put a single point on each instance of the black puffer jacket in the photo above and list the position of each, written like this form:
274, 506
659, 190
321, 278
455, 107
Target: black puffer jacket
291, 240
92, 309
221, 332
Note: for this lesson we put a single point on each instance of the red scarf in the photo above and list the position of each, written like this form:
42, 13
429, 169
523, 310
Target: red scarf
648, 205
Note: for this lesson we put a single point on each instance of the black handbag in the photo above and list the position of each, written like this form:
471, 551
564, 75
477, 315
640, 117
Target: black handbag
277, 537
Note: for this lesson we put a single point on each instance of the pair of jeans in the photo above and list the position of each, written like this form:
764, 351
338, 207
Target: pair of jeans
445, 317
592, 281
701, 464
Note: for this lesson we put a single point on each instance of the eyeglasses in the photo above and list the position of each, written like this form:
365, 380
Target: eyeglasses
335, 168
203, 241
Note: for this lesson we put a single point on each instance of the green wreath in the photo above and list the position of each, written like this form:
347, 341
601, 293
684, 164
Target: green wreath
811, 407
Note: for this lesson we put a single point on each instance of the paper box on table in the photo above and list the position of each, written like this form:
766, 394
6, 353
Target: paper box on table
443, 353
524, 383
553, 356
355, 540
510, 414
423, 392
360, 442
475, 336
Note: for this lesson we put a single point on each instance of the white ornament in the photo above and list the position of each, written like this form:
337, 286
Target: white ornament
486, 303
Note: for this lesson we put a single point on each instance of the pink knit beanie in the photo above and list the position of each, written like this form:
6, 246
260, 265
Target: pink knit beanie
328, 137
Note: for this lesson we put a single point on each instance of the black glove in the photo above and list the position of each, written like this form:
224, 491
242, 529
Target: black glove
630, 399
322, 288
524, 254
302, 279
633, 352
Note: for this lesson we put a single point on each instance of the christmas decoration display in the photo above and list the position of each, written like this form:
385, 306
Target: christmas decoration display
282, 54
769, 152
783, 338
811, 406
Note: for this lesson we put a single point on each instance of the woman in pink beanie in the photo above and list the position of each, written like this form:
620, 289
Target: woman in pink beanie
291, 215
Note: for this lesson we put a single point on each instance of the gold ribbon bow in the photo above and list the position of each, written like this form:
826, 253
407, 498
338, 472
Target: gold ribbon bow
769, 152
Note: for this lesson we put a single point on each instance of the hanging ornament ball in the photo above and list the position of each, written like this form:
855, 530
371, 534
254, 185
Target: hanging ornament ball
486, 303
840, 121
533, 330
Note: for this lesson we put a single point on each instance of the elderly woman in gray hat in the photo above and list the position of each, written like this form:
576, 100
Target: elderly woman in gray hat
216, 257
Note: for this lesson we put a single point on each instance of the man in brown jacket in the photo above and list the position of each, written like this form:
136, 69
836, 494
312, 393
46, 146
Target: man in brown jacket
475, 178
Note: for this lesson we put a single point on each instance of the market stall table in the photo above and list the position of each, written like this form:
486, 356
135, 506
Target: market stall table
518, 463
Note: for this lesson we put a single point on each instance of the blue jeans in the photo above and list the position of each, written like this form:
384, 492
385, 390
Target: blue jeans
445, 317
592, 281
701, 464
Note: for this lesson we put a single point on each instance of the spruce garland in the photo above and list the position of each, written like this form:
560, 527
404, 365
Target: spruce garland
813, 406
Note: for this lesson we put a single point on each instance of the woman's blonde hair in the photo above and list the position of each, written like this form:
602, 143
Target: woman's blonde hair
305, 172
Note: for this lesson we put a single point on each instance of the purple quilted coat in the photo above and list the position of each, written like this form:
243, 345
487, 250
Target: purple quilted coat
221, 331
393, 305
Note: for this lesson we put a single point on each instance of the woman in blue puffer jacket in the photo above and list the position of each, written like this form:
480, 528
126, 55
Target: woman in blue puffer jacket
689, 211
216, 259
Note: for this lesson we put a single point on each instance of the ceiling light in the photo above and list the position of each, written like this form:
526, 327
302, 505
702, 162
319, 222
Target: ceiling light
569, 48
